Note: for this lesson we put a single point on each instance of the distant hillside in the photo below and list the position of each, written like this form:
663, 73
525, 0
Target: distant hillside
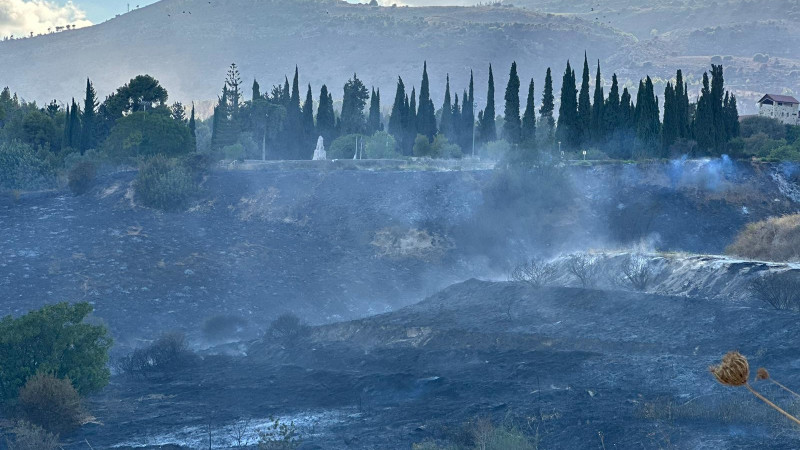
188, 44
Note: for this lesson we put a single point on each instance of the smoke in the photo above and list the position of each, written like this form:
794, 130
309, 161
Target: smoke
23, 17
711, 174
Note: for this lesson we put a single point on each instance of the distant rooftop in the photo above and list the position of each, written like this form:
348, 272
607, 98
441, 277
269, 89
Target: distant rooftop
779, 98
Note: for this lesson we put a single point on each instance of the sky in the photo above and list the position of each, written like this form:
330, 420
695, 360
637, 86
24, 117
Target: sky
21, 17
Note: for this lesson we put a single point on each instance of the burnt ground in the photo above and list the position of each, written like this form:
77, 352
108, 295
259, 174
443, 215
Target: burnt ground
339, 245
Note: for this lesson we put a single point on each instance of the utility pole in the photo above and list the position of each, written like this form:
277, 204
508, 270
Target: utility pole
474, 108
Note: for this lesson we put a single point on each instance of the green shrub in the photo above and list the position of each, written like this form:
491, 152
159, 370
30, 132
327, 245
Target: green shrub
381, 145
752, 125
21, 168
27, 436
148, 134
344, 147
51, 403
81, 177
442, 148
279, 436
785, 153
422, 146
55, 340
164, 184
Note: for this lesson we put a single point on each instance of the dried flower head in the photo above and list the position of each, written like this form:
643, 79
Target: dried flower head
762, 374
733, 371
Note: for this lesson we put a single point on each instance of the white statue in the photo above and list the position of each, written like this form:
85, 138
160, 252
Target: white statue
319, 152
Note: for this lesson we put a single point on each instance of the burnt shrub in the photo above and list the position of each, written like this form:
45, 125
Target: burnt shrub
536, 272
287, 329
81, 177
781, 290
51, 403
635, 272
27, 436
219, 328
168, 354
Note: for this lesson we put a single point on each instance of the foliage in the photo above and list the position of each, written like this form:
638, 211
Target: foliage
753, 125
22, 168
51, 403
287, 328
781, 290
279, 436
53, 340
81, 177
167, 354
148, 134
535, 272
344, 147
164, 184
381, 145
773, 239
27, 436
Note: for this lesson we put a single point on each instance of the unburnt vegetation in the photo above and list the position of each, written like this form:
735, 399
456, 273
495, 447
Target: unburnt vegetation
774, 239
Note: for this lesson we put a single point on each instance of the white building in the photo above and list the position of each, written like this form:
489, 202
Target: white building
781, 107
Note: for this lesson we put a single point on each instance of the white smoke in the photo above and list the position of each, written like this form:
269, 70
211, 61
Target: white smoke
20, 18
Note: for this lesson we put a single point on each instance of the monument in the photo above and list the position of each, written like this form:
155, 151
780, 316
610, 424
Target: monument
319, 152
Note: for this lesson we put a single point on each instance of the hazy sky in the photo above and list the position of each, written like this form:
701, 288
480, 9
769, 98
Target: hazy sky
99, 10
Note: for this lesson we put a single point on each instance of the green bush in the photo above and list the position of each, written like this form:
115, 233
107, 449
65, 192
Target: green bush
785, 153
422, 146
382, 145
344, 147
164, 184
21, 168
773, 128
27, 436
81, 177
54, 340
51, 403
148, 134
442, 148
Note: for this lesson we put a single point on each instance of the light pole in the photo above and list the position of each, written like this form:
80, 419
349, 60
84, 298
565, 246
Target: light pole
474, 107
264, 143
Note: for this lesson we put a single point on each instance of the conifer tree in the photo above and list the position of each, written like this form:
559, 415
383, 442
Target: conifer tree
528, 134
256, 90
411, 127
468, 115
286, 95
703, 125
309, 132
88, 133
611, 109
717, 108
353, 103
75, 126
446, 127
512, 125
584, 105
670, 131
374, 121
647, 118
456, 121
65, 140
731, 116
326, 118
547, 109
488, 125
426, 115
681, 106
234, 82
626, 109
598, 129
178, 112
568, 131
399, 115
192, 123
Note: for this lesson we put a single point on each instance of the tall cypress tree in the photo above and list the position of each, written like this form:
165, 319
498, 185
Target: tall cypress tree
399, 115
456, 121
256, 90
75, 126
547, 109
374, 118
568, 131
65, 141
446, 127
731, 116
598, 129
611, 109
90, 104
468, 115
192, 123
512, 125
670, 130
529, 118
309, 132
647, 120
626, 110
326, 118
353, 103
681, 106
426, 115
584, 105
703, 125
411, 127
717, 108
488, 126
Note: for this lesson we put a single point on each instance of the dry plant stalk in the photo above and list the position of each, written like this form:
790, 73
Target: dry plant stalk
735, 370
762, 374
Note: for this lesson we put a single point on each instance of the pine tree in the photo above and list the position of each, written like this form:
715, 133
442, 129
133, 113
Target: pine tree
529, 118
598, 129
512, 125
178, 112
399, 115
88, 133
446, 127
309, 132
256, 90
584, 105
547, 109
568, 130
426, 115
670, 130
234, 82
353, 102
374, 121
326, 118
192, 123
488, 125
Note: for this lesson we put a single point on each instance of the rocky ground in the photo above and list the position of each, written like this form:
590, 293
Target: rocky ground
332, 246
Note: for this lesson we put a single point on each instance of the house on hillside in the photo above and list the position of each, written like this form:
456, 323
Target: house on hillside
781, 107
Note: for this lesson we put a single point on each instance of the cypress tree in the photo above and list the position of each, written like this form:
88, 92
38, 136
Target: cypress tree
647, 120
353, 102
75, 126
568, 130
670, 131
399, 115
681, 106
548, 107
512, 126
703, 125
528, 133
584, 105
256, 90
488, 126
732, 116
446, 127
374, 118
309, 133
286, 95
326, 118
192, 123
626, 110
598, 129
456, 121
411, 127
65, 141
426, 115
611, 109
717, 108
89, 111
468, 115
